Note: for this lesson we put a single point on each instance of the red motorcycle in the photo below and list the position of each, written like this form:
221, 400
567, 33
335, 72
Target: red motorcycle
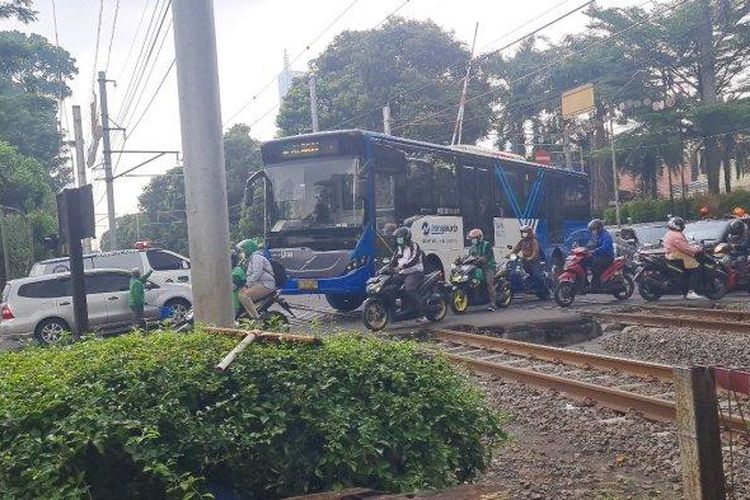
573, 279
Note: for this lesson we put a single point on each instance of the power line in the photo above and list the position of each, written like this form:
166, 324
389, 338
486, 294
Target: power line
112, 34
553, 63
132, 42
153, 97
98, 36
294, 59
455, 67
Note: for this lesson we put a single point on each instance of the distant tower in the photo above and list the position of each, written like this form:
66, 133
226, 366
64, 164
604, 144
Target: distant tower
287, 77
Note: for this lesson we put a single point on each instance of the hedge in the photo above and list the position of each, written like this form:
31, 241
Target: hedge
147, 416
658, 210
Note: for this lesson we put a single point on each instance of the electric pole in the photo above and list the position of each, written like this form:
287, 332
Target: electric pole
80, 160
615, 177
458, 130
314, 102
203, 150
109, 181
387, 119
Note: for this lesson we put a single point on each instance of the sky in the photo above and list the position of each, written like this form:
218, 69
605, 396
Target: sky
251, 38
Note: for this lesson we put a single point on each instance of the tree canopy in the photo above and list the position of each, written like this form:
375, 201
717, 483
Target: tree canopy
414, 66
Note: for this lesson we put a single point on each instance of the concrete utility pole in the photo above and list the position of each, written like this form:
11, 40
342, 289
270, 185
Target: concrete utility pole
80, 160
387, 119
4, 241
615, 177
458, 129
107, 160
203, 150
314, 102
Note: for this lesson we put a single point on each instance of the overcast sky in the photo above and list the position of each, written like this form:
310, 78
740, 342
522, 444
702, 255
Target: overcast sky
251, 38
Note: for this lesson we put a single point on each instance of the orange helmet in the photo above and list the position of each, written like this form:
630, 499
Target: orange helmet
739, 212
704, 210
475, 233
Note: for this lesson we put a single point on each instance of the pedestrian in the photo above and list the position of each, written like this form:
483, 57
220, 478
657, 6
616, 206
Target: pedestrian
137, 297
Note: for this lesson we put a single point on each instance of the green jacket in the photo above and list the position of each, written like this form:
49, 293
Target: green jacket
238, 280
484, 250
137, 294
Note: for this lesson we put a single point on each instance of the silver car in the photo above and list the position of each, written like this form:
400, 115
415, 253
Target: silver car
42, 306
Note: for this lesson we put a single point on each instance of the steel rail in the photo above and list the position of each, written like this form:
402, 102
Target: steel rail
535, 351
671, 321
616, 399
700, 312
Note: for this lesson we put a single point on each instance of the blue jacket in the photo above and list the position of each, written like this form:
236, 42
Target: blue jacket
601, 245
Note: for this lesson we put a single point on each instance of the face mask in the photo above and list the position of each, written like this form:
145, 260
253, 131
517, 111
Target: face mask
400, 241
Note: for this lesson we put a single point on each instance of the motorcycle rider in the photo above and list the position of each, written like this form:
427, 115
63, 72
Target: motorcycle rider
678, 248
530, 253
259, 281
407, 261
483, 251
602, 248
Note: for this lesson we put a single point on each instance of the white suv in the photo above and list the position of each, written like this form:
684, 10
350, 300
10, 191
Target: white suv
43, 306
168, 267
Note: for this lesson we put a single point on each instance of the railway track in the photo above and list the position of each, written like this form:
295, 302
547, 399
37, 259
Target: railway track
620, 384
721, 320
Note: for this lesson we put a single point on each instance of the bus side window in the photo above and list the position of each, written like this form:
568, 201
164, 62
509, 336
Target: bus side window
418, 189
385, 200
485, 203
468, 197
445, 193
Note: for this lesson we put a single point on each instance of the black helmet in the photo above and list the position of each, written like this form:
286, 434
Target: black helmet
403, 232
676, 224
596, 225
736, 227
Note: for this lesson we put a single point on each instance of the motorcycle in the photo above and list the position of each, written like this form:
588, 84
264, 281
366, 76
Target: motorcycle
385, 302
467, 286
734, 265
573, 280
513, 277
270, 319
658, 276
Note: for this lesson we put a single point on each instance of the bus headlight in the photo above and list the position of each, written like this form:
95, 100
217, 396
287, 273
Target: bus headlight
357, 263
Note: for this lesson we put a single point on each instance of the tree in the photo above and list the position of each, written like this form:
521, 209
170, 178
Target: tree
24, 183
414, 66
20, 9
162, 217
33, 76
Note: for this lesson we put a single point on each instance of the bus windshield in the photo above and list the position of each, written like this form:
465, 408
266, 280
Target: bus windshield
317, 193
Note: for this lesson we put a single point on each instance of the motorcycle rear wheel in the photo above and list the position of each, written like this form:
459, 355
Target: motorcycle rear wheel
375, 315
647, 292
459, 301
565, 293
503, 294
717, 289
627, 291
437, 301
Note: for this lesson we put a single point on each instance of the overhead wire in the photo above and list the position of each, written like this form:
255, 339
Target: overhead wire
553, 63
461, 65
112, 34
98, 37
272, 80
132, 42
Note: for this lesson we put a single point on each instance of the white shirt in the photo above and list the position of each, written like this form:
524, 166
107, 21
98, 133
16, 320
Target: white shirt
406, 255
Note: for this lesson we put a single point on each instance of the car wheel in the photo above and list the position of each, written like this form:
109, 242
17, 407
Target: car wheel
180, 308
50, 331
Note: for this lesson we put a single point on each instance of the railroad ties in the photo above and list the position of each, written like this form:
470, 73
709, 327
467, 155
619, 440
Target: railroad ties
605, 380
720, 320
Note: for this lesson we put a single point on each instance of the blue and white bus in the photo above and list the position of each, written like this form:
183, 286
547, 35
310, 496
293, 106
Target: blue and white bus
333, 199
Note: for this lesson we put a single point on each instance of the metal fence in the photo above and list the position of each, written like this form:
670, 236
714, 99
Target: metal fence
733, 403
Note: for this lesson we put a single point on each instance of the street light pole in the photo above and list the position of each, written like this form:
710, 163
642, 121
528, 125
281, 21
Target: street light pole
203, 149
615, 177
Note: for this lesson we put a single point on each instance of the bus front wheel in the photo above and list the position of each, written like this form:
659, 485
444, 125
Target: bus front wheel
345, 303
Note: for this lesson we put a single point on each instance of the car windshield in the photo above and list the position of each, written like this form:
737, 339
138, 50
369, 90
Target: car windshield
706, 230
317, 193
650, 235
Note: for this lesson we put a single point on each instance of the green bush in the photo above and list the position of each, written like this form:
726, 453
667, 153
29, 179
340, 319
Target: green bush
657, 210
146, 416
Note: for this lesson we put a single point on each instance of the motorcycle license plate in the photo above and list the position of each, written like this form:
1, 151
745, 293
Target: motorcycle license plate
307, 284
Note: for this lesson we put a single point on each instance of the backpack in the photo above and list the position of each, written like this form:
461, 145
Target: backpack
280, 275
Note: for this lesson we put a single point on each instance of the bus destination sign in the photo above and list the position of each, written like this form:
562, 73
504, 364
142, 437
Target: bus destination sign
308, 148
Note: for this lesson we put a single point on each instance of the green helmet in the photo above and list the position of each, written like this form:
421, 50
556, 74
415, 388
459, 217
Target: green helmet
248, 246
